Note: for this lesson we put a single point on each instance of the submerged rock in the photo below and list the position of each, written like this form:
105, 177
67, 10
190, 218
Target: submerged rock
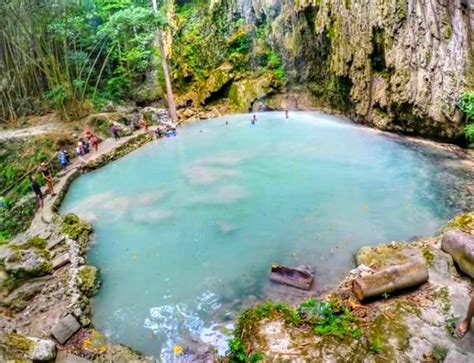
460, 246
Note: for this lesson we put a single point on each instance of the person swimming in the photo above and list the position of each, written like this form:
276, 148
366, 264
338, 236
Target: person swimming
253, 120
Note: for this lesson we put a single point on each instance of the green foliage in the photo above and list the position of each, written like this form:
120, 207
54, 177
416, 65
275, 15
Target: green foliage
466, 105
312, 310
237, 353
438, 353
451, 323
376, 345
469, 132
37, 242
56, 96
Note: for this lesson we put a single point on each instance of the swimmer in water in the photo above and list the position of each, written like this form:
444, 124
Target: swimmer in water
253, 120
286, 113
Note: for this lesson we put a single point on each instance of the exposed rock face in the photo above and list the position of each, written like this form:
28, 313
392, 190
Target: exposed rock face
399, 65
404, 60
460, 245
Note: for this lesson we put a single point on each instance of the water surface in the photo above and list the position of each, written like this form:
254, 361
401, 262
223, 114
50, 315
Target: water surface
188, 226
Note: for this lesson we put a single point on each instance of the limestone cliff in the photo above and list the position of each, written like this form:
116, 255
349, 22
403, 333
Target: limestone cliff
398, 65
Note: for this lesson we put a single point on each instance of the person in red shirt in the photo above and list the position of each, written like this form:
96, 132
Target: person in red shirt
94, 142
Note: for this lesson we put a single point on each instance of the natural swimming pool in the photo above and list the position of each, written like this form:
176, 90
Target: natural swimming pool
188, 226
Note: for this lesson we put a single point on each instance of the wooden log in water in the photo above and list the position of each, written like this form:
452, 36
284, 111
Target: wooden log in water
301, 278
390, 279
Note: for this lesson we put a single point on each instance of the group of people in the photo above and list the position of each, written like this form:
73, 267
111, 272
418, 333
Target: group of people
86, 143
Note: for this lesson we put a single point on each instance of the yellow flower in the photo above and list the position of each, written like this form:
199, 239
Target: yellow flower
178, 350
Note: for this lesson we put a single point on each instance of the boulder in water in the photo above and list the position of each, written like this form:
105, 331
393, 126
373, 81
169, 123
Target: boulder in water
460, 245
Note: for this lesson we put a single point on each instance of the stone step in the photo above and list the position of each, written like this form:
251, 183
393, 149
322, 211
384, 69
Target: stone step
60, 261
54, 242
65, 328
64, 357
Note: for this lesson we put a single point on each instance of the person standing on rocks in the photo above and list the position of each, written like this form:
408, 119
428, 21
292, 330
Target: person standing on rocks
464, 325
48, 176
37, 190
115, 131
94, 142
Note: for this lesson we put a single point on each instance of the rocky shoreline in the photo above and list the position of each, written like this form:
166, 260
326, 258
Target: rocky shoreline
48, 265
54, 284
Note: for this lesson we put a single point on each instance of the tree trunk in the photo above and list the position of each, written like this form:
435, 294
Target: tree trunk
390, 279
166, 74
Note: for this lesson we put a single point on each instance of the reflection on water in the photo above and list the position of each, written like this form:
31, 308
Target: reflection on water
188, 227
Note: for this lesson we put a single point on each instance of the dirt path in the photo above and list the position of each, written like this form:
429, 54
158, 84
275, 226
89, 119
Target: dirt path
28, 132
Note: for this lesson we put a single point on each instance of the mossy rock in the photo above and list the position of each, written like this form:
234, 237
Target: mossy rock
244, 93
463, 222
77, 230
88, 280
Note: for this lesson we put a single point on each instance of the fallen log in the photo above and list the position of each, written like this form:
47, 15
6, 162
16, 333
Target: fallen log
301, 278
390, 279
460, 246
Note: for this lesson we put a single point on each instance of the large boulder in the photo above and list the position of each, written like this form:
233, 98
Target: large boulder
23, 347
460, 245
28, 262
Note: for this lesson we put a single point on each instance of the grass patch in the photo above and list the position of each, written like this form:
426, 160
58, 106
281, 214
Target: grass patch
376, 345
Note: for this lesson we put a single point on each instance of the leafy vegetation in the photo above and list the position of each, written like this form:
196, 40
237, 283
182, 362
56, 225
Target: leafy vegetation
451, 322
466, 105
238, 353
67, 55
327, 318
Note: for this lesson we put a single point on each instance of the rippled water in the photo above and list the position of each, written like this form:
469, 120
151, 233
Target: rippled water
188, 226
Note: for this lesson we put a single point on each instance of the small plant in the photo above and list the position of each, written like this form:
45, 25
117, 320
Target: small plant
439, 353
466, 105
376, 345
385, 295
238, 353
451, 323
428, 255
311, 310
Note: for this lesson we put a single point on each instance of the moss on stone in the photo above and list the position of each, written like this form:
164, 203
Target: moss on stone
18, 342
77, 230
464, 222
88, 280
428, 256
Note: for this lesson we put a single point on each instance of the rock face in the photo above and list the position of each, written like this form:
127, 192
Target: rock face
398, 65
460, 245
